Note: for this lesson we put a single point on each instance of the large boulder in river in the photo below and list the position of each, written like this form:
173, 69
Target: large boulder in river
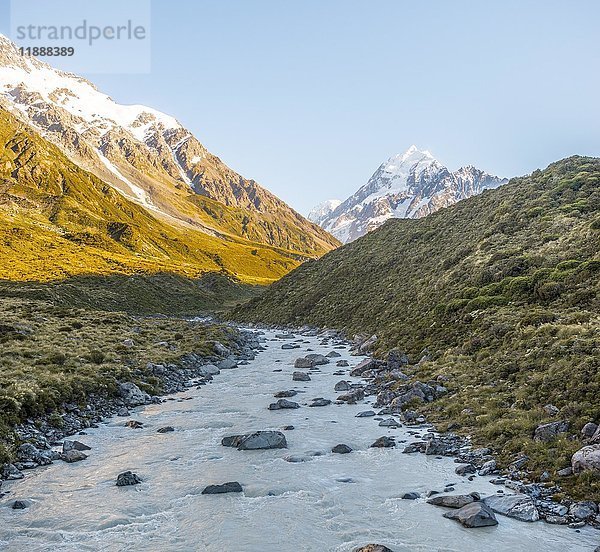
319, 360
127, 478
547, 432
132, 395
282, 404
341, 449
384, 442
230, 487
304, 363
454, 501
517, 506
476, 514
263, 440
342, 386
259, 440
586, 458
300, 376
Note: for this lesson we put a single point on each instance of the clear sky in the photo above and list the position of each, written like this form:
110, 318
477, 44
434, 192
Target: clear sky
310, 96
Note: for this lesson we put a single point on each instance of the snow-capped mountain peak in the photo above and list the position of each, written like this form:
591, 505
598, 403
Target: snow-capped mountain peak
411, 184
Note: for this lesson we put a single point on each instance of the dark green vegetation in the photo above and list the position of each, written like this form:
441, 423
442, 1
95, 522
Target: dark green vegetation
170, 294
52, 355
502, 289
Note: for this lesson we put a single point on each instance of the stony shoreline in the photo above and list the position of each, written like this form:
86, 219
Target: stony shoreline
39, 437
533, 500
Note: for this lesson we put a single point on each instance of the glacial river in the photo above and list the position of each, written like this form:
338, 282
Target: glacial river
332, 502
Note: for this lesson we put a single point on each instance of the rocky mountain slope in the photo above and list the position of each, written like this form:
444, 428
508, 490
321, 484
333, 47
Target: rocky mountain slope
149, 157
59, 222
408, 185
497, 296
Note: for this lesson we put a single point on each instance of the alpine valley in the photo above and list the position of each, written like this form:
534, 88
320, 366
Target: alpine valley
195, 366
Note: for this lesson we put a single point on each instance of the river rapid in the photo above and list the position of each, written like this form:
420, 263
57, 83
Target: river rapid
331, 502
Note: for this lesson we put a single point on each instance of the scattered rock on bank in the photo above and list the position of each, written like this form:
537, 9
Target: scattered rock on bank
11, 473
465, 469
362, 367
74, 445
586, 458
132, 395
547, 432
127, 478
231, 487
476, 514
583, 511
365, 414
227, 364
353, 396
72, 456
517, 506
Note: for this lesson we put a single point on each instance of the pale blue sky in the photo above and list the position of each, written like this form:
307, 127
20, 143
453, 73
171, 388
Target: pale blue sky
310, 96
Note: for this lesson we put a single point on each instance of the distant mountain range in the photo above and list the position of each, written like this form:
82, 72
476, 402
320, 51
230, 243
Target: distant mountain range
409, 185
139, 177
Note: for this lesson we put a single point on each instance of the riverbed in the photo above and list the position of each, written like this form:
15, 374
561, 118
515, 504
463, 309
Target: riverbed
328, 502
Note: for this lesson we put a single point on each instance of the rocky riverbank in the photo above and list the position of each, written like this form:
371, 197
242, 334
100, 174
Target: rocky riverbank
37, 439
398, 397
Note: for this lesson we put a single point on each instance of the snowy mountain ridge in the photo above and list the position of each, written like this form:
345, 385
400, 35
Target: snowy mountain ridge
148, 157
412, 184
